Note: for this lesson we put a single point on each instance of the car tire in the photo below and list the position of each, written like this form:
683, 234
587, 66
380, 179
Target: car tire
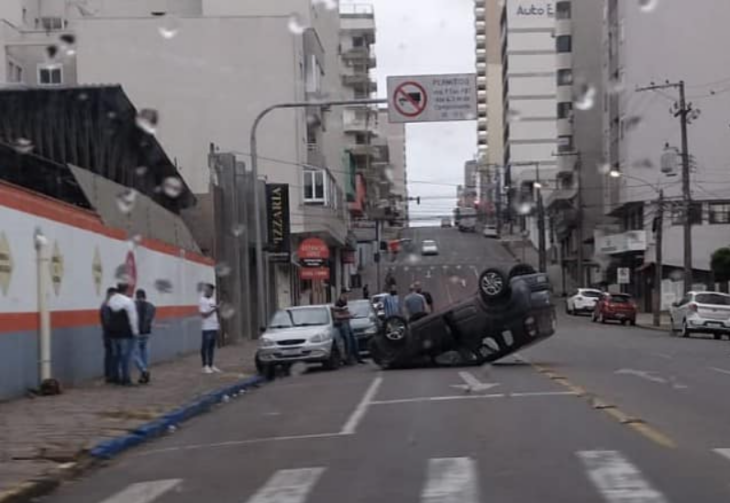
335, 360
266, 370
493, 285
685, 331
632, 323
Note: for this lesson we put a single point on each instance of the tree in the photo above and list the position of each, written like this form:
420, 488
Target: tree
720, 265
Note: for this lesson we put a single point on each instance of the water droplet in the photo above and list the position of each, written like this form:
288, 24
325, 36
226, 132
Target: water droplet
645, 163
163, 286
126, 200
238, 230
23, 146
455, 280
296, 24
169, 28
586, 98
616, 86
514, 115
172, 186
226, 399
328, 4
68, 44
82, 96
427, 344
389, 174
524, 208
676, 275
134, 241
298, 369
227, 311
140, 170
121, 274
172, 428
147, 120
604, 168
648, 5
413, 259
631, 122
222, 270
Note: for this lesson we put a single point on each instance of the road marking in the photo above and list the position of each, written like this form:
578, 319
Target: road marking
236, 443
663, 355
448, 398
617, 479
367, 399
472, 383
451, 480
725, 453
288, 486
722, 371
144, 492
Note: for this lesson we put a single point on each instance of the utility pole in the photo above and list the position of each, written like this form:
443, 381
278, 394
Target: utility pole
686, 114
658, 266
579, 226
542, 259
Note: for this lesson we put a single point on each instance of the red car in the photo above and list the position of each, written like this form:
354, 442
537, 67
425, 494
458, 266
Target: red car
617, 307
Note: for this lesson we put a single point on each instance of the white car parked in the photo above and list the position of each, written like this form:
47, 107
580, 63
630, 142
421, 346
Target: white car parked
429, 247
701, 312
490, 231
583, 300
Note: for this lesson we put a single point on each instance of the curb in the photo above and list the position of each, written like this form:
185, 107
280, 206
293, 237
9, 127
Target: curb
652, 327
104, 451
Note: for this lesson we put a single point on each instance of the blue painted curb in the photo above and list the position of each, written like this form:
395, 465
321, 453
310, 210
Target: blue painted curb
110, 448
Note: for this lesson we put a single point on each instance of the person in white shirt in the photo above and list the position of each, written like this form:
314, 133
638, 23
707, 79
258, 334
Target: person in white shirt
209, 313
123, 328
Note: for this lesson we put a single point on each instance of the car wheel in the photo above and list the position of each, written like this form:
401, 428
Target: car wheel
266, 370
685, 331
493, 285
335, 359
632, 323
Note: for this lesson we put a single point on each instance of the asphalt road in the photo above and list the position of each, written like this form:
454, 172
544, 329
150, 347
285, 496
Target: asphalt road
599, 413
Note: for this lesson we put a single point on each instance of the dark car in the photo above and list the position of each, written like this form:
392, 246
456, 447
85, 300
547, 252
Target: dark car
365, 322
508, 313
615, 307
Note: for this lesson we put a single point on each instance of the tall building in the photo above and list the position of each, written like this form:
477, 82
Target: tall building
394, 177
642, 137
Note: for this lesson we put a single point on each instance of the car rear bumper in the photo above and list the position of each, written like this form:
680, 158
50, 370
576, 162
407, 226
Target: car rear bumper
710, 326
619, 316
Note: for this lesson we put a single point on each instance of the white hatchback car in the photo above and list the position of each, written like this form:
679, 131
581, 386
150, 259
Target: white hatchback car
429, 247
300, 334
490, 231
583, 300
701, 312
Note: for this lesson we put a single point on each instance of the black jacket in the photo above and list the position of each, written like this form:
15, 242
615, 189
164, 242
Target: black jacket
146, 314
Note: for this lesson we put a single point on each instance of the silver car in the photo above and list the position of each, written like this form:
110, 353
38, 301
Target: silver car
701, 312
300, 334
365, 322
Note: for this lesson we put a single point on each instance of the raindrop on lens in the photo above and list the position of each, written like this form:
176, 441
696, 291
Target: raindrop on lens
163, 286
68, 44
238, 230
147, 120
514, 115
227, 311
648, 5
586, 98
616, 86
226, 399
524, 208
412, 258
296, 24
604, 168
23, 146
643, 164
389, 174
126, 200
222, 270
169, 27
172, 428
140, 170
298, 369
172, 186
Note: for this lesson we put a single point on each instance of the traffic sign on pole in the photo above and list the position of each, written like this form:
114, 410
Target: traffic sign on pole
432, 98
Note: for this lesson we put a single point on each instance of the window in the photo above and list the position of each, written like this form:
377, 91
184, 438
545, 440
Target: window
565, 110
563, 10
314, 75
51, 23
565, 77
14, 72
720, 213
678, 213
50, 75
565, 143
564, 43
314, 190
358, 42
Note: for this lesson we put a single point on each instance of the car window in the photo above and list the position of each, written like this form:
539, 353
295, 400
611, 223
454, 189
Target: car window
360, 309
281, 320
592, 293
309, 317
714, 299
620, 299
684, 300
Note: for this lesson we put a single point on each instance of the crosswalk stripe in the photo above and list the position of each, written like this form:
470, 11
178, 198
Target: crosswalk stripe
451, 480
288, 486
617, 479
725, 453
143, 492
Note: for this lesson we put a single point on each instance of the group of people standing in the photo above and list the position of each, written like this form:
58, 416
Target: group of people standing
126, 326
416, 304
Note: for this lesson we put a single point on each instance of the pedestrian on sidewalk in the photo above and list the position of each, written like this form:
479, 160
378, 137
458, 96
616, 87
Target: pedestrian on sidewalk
391, 303
426, 295
415, 304
146, 315
105, 318
123, 328
366, 292
209, 313
342, 317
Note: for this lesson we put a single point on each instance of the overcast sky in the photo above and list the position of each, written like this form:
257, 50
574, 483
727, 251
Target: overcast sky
425, 37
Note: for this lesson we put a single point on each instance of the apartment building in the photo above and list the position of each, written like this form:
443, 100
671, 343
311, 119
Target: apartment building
642, 135
394, 174
208, 67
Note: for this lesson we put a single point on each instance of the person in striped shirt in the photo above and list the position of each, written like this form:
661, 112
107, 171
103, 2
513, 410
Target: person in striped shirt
391, 303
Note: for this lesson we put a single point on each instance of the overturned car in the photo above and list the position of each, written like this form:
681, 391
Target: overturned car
508, 313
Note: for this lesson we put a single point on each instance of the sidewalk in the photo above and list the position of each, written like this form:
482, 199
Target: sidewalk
646, 320
38, 435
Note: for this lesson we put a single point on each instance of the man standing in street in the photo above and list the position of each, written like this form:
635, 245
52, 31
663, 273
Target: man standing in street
209, 313
146, 315
123, 328
415, 304
105, 318
426, 295
342, 321
391, 303
366, 292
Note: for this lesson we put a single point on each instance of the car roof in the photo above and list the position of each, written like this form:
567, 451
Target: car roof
705, 292
429, 241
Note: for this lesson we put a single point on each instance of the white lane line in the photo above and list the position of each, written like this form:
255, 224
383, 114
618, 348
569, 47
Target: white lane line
367, 399
617, 479
471, 397
663, 355
288, 486
451, 480
722, 371
144, 492
725, 453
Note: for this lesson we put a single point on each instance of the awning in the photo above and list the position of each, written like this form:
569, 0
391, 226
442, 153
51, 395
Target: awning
561, 196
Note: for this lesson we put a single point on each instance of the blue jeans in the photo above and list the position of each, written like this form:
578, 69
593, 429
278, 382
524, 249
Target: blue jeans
109, 372
122, 350
142, 353
353, 350
207, 348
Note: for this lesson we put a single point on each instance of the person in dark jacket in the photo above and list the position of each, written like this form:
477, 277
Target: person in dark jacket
426, 295
123, 328
105, 319
146, 315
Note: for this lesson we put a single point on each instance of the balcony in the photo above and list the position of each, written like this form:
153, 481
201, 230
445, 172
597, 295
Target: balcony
361, 56
359, 121
360, 81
